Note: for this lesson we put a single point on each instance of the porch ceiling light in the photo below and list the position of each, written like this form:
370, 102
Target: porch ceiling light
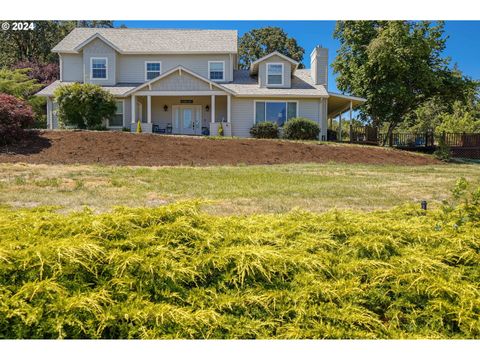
165, 108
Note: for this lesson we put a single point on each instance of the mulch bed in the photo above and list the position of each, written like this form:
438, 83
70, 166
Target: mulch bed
120, 148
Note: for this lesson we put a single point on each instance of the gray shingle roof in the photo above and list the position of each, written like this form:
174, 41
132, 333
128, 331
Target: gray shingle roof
243, 85
301, 85
254, 65
118, 90
156, 41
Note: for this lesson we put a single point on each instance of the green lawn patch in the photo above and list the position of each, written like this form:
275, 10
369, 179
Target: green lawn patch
231, 189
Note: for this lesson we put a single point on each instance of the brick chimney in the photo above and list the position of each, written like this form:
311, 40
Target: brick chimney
319, 66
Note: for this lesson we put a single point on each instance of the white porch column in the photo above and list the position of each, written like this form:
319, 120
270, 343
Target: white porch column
229, 106
351, 109
340, 127
134, 106
49, 113
212, 109
323, 121
149, 109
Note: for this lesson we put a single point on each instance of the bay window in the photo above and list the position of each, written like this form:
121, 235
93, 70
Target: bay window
275, 111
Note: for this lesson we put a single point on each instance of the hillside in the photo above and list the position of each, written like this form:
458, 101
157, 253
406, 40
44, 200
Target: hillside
120, 148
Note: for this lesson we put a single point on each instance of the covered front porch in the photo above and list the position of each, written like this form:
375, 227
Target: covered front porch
339, 104
181, 102
181, 113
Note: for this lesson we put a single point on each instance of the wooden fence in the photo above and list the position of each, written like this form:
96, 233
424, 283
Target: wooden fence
363, 134
463, 145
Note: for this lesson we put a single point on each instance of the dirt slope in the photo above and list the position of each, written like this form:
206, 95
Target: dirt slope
120, 148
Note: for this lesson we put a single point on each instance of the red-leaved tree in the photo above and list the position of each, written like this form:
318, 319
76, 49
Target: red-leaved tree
15, 116
44, 73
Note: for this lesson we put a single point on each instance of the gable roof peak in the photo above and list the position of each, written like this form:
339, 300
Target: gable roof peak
254, 65
179, 69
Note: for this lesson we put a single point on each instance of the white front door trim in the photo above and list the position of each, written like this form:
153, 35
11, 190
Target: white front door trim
178, 125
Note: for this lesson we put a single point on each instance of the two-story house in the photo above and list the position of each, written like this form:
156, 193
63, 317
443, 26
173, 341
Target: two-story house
188, 81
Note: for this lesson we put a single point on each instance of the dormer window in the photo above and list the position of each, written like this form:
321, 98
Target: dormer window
274, 74
152, 69
216, 70
98, 68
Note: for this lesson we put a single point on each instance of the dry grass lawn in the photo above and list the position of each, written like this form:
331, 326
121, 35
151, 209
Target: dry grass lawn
230, 189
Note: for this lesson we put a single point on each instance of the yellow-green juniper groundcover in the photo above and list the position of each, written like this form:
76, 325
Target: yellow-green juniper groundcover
178, 272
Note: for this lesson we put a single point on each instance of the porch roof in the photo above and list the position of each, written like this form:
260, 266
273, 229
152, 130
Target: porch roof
179, 69
118, 90
339, 103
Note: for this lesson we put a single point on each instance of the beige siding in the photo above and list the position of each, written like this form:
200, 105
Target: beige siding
287, 72
131, 68
183, 82
98, 48
127, 120
72, 67
242, 116
243, 113
310, 109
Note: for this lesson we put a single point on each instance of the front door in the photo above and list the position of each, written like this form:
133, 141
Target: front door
187, 119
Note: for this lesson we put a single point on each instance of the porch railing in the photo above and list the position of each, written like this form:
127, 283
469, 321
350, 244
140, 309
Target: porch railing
461, 144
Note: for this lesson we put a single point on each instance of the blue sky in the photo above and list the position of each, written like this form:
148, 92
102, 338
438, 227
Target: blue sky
463, 45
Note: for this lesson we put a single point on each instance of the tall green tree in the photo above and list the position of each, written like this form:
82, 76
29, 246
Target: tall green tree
18, 83
36, 45
30, 45
438, 115
260, 42
397, 66
95, 23
462, 118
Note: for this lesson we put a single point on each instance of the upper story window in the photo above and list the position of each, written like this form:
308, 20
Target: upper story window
98, 68
274, 74
152, 69
216, 70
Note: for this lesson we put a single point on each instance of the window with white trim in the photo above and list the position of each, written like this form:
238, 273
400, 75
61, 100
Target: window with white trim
275, 111
117, 119
98, 68
216, 70
274, 74
152, 69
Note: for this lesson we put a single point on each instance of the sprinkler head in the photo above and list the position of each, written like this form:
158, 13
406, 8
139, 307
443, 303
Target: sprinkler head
424, 205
